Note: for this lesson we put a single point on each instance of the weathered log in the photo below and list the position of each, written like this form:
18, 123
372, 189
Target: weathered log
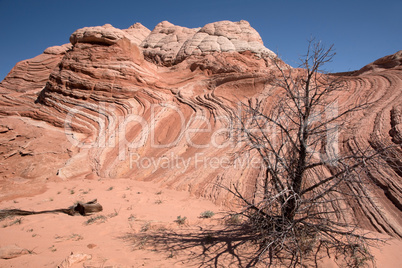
88, 208
79, 208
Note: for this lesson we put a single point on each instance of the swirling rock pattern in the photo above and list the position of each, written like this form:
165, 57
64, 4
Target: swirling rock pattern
157, 106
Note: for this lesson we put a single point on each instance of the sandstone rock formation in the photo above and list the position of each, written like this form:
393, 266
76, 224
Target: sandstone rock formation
169, 44
128, 103
109, 35
165, 41
224, 36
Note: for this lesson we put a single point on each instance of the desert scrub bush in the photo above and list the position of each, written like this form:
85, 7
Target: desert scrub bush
233, 219
98, 219
110, 188
180, 220
75, 237
171, 255
16, 221
145, 227
114, 214
86, 191
207, 214
132, 217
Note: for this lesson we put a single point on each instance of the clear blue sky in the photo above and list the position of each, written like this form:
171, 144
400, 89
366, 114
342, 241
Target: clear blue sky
361, 31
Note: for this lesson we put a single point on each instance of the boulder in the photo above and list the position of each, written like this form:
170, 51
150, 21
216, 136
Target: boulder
73, 259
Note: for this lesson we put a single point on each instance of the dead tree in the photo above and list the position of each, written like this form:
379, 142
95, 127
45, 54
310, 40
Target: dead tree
309, 179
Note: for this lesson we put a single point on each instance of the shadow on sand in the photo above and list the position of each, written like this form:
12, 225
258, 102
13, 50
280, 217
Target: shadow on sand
230, 247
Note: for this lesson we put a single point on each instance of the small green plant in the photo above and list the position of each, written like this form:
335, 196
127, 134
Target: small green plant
53, 248
180, 220
233, 219
98, 219
159, 193
158, 202
58, 237
110, 188
114, 214
132, 218
72, 191
16, 221
207, 214
75, 237
145, 227
31, 251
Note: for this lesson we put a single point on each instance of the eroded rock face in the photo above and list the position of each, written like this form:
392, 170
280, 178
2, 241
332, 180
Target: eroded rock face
165, 41
130, 104
170, 44
224, 36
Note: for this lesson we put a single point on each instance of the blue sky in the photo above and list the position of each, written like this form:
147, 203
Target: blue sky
361, 31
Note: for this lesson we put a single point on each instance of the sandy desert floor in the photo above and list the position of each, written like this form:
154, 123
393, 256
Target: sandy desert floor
128, 207
138, 227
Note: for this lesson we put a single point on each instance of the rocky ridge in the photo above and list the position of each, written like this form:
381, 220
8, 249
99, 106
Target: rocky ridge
125, 103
